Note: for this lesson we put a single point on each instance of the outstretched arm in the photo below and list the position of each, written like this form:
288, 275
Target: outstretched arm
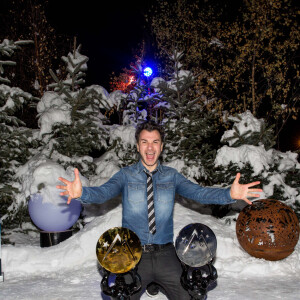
242, 191
73, 189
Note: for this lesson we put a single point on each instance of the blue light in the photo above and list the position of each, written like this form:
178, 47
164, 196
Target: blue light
148, 72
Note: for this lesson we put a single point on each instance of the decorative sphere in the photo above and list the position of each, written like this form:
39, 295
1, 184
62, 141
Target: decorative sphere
118, 250
196, 245
268, 229
53, 217
148, 72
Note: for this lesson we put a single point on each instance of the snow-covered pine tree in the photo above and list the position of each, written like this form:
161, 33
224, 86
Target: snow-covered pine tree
16, 140
278, 172
71, 117
251, 131
188, 125
137, 103
246, 130
76, 66
8, 48
137, 106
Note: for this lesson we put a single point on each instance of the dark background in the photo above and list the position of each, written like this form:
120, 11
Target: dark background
110, 32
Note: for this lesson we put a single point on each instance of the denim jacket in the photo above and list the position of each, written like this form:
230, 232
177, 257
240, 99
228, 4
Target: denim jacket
131, 181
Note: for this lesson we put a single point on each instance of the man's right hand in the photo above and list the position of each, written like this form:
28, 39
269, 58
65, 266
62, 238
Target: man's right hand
73, 189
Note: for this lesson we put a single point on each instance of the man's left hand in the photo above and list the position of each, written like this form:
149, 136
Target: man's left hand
242, 191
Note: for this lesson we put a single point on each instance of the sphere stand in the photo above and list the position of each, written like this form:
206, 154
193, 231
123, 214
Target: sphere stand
120, 290
52, 238
194, 281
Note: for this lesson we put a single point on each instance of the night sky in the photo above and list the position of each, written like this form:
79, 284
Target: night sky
109, 32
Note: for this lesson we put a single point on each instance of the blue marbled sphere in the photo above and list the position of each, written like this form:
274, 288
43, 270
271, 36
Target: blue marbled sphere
53, 217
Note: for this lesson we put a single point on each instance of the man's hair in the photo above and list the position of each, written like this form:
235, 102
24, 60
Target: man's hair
149, 126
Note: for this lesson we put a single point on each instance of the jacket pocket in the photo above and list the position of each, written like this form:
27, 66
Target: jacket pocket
165, 191
136, 192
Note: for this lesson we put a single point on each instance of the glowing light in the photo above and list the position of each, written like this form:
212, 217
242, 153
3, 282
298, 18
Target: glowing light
148, 72
131, 79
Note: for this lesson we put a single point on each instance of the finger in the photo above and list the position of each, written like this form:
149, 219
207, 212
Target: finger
253, 195
61, 187
247, 201
237, 178
69, 200
253, 183
64, 193
64, 180
76, 172
255, 190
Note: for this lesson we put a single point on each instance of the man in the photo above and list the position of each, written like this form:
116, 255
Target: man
148, 192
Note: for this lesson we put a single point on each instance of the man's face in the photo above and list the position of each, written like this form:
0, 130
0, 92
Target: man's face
150, 146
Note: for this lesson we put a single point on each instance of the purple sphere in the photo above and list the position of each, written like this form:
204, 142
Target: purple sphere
53, 217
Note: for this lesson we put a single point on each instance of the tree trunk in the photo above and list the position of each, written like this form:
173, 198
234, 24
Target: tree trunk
253, 86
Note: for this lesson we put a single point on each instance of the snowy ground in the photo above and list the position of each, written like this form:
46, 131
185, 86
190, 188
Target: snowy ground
70, 270
84, 284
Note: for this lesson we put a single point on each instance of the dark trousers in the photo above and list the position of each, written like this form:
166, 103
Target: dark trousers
164, 268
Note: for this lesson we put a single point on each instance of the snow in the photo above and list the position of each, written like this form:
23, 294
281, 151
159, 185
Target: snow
10, 93
107, 166
115, 98
40, 175
73, 60
126, 134
155, 83
255, 155
52, 109
262, 161
245, 122
181, 74
70, 269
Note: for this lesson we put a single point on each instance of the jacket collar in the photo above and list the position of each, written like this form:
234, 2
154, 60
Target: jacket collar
140, 167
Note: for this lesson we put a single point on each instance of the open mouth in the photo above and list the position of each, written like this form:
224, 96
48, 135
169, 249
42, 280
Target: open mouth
150, 156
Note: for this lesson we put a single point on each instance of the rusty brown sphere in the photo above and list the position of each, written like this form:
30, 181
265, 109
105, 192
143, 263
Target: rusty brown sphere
268, 229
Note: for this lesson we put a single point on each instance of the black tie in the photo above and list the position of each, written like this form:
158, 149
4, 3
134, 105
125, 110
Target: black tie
150, 202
